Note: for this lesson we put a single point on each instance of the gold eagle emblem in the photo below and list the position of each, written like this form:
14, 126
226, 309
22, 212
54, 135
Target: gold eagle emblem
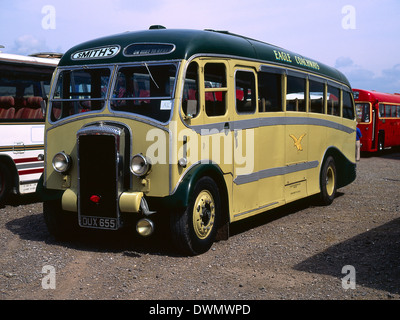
297, 142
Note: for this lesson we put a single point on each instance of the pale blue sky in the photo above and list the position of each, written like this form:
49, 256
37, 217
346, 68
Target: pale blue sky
361, 40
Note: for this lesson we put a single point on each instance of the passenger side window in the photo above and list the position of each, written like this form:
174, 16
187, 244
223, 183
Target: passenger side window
269, 92
381, 110
215, 89
348, 110
333, 101
393, 111
387, 111
317, 96
190, 100
245, 92
295, 94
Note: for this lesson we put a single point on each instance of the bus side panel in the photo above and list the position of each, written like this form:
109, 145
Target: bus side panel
24, 144
320, 138
392, 132
270, 153
297, 141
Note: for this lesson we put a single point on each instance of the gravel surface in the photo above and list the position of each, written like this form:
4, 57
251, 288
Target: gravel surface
295, 252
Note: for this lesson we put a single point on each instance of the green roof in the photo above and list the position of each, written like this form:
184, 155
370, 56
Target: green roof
187, 43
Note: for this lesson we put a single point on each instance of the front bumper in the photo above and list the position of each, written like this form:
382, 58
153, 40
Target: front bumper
130, 202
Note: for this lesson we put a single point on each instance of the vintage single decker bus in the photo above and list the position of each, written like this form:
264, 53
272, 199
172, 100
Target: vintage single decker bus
378, 116
202, 128
24, 84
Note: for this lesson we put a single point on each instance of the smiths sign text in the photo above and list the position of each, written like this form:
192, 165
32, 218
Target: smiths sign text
96, 53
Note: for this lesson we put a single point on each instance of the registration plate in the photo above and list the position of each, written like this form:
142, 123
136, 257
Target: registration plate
98, 222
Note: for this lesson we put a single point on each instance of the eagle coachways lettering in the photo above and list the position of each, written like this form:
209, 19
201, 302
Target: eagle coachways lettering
96, 53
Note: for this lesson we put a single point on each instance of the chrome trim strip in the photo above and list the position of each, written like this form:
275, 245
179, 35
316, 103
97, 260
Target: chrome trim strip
259, 208
99, 128
148, 54
30, 166
21, 183
270, 121
273, 172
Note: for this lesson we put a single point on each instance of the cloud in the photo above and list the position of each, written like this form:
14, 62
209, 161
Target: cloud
343, 62
362, 78
28, 44
393, 73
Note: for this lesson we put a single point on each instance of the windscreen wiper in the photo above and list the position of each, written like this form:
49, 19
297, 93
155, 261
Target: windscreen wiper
148, 70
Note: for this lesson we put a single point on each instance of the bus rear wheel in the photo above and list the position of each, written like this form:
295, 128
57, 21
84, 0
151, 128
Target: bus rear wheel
328, 181
194, 230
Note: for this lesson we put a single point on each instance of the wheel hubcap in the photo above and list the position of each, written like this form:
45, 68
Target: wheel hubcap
330, 181
203, 214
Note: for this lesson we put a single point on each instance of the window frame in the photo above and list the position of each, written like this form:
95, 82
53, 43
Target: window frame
253, 94
350, 95
322, 82
184, 110
214, 90
278, 72
298, 75
339, 88
53, 99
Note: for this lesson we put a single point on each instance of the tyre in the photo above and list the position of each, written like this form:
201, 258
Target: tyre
194, 229
5, 183
328, 181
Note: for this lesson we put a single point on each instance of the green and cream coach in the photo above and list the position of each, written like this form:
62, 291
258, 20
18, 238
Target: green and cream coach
203, 128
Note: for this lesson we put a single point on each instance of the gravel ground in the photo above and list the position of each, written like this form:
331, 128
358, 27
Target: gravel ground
296, 252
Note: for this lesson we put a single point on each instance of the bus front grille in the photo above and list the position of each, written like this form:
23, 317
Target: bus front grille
98, 180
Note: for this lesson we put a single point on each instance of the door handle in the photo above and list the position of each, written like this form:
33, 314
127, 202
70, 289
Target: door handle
226, 128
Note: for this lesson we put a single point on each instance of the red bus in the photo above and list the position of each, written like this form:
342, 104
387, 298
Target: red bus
378, 116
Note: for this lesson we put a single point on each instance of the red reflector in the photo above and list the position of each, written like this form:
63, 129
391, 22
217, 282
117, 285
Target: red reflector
95, 198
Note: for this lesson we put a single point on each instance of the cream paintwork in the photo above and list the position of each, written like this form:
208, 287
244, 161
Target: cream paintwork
65, 136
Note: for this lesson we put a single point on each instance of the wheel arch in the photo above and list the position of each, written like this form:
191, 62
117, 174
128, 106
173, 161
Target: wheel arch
183, 192
10, 164
345, 169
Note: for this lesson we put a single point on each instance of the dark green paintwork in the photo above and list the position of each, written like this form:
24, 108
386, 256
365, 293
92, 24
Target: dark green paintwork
192, 42
45, 194
181, 196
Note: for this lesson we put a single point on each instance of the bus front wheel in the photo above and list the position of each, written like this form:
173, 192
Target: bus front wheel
194, 230
328, 181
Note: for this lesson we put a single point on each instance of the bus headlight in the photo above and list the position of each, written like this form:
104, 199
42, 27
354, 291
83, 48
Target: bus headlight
61, 162
140, 165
